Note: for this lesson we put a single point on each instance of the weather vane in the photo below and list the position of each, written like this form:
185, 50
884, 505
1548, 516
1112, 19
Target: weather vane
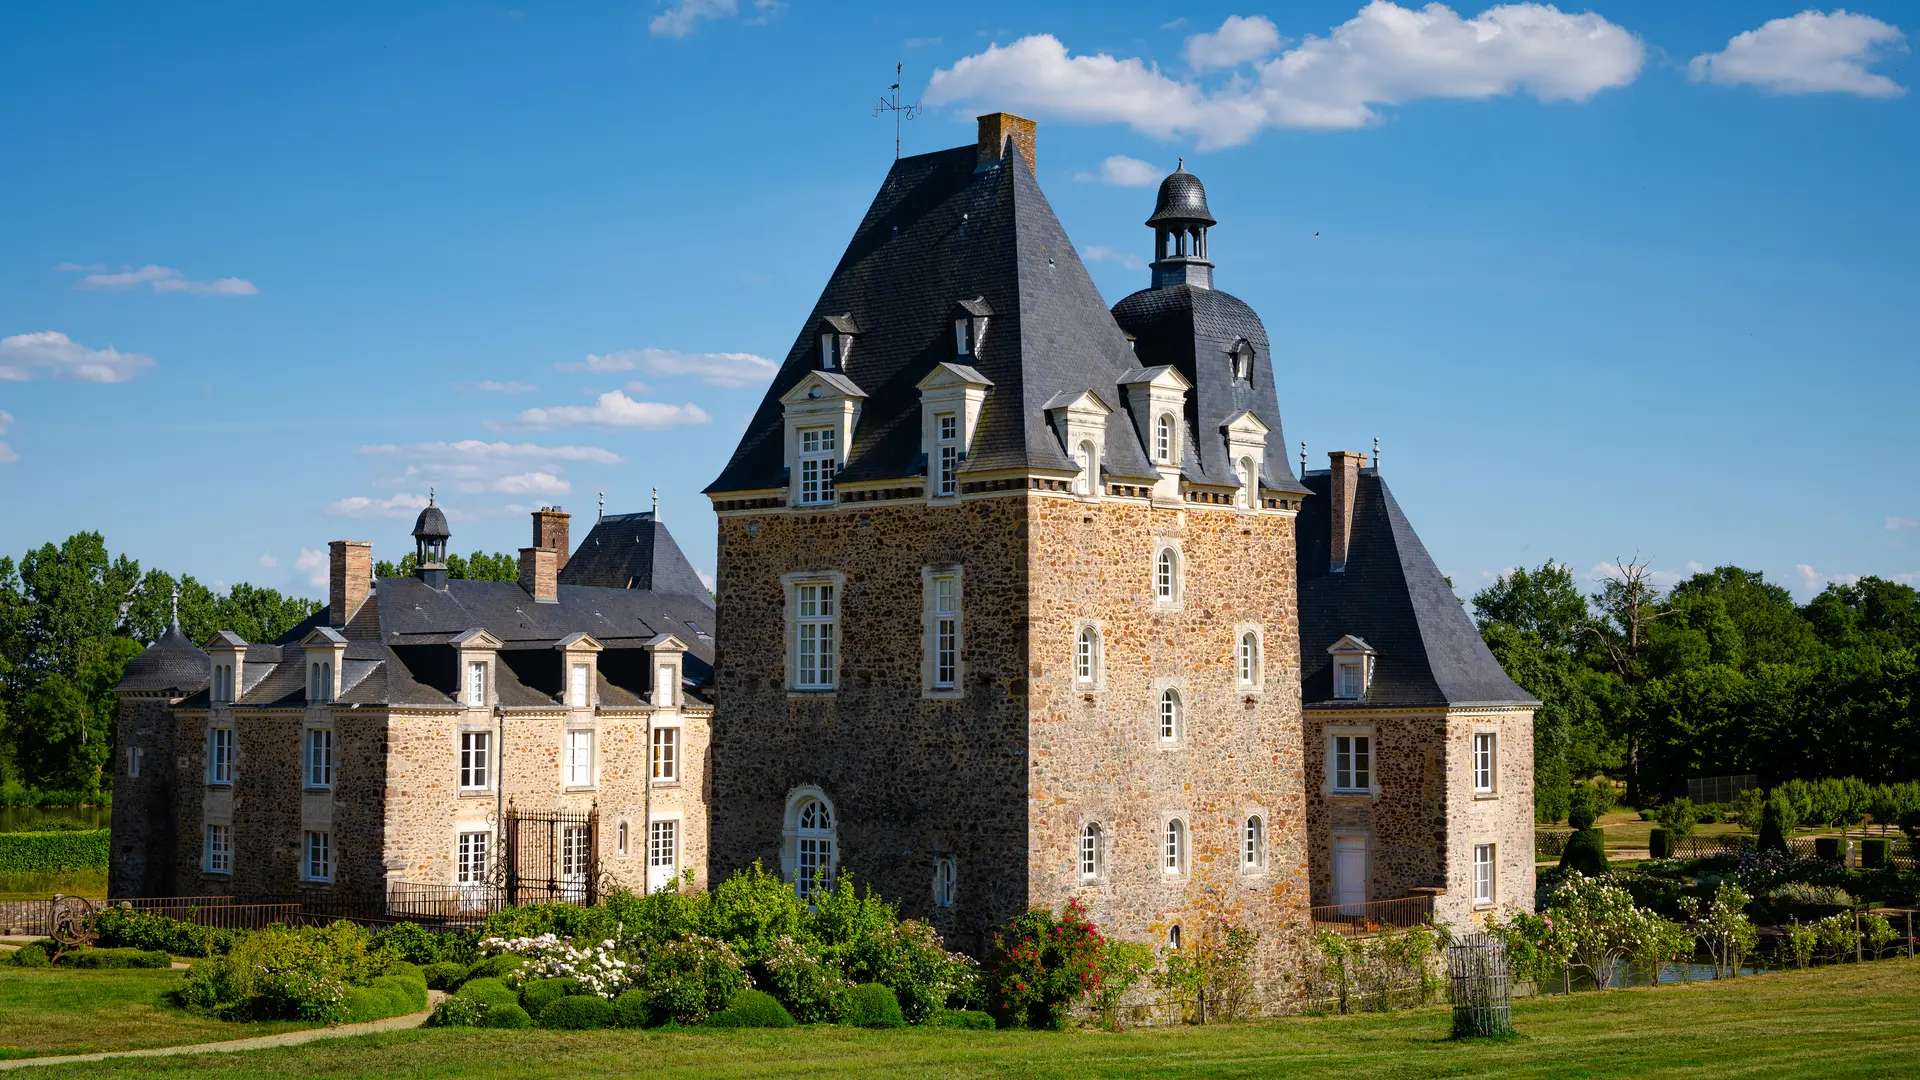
891, 104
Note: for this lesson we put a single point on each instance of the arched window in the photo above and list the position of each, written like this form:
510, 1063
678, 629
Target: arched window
1243, 359
1163, 439
1084, 457
623, 838
1244, 498
1174, 856
1173, 936
1253, 843
813, 847
1086, 656
1090, 854
1166, 576
1249, 659
1170, 719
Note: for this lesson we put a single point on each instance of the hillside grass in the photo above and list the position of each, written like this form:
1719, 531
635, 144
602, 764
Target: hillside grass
1830, 1023
50, 1011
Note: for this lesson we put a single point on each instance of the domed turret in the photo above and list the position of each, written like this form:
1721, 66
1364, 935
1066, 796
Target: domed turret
1180, 222
430, 536
1183, 198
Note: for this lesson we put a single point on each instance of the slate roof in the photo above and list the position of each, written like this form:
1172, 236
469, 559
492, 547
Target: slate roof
634, 551
173, 663
945, 229
1394, 597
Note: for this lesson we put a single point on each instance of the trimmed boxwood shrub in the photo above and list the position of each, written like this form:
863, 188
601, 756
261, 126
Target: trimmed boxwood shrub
495, 967
1586, 852
367, 1003
540, 993
1875, 853
968, 1019
1660, 844
53, 852
445, 976
457, 1011
631, 1010
873, 1005
1826, 848
125, 928
509, 1016
491, 992
411, 987
30, 956
115, 958
753, 1009
581, 1012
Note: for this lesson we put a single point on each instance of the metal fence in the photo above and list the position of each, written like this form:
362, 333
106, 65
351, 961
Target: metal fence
26, 917
1720, 789
1374, 916
551, 856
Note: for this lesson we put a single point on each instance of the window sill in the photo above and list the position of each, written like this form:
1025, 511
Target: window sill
216, 873
580, 789
316, 881
1483, 796
220, 785
1339, 793
798, 692
942, 693
674, 783
476, 793
311, 789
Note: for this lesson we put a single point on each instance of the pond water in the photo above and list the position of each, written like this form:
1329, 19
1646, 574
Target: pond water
28, 818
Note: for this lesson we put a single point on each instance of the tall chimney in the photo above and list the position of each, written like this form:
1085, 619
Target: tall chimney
1345, 472
540, 574
349, 578
550, 531
996, 129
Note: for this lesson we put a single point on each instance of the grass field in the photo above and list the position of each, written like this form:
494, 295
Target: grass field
77, 1012
1831, 1023
39, 886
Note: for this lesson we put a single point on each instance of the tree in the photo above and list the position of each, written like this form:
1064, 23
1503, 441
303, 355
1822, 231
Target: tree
1628, 604
478, 566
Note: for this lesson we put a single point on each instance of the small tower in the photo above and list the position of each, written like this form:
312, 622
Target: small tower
430, 535
1180, 222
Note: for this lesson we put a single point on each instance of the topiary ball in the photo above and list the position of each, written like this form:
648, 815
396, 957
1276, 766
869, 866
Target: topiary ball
508, 1015
540, 993
582, 1012
445, 976
631, 1010
495, 967
491, 992
753, 1009
966, 1019
873, 1005
1586, 852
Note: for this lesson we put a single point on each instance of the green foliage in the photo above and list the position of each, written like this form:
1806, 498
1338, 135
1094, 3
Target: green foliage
1748, 807
1660, 843
508, 1015
1827, 848
1677, 816
53, 852
631, 1010
1585, 853
445, 975
752, 1009
148, 930
1802, 900
1879, 933
457, 1011
365, 1003
964, 1019
408, 942
872, 1005
1042, 966
1121, 966
490, 991
690, 980
1875, 853
409, 981
478, 566
1209, 977
30, 956
581, 1012
752, 909
540, 993
1775, 820
496, 967
115, 958
811, 986
555, 917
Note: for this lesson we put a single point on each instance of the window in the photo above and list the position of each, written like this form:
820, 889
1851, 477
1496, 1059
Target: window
1483, 761
222, 682
1086, 657
1173, 936
816, 466
666, 684
816, 636
827, 356
576, 859
946, 631
1174, 854
220, 755
579, 759
946, 439
622, 839
319, 757
1242, 359
475, 747
1253, 844
946, 871
1170, 719
1249, 665
663, 846
1248, 477
1090, 854
219, 849
1349, 680
1163, 439
666, 755
963, 336
814, 851
1352, 763
319, 865
1166, 576
471, 868
320, 682
1084, 457
133, 762
477, 684
1483, 874
582, 679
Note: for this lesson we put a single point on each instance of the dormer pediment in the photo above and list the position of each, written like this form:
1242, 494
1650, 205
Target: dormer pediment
1351, 646
822, 386
475, 638
839, 324
225, 639
975, 308
1077, 402
1159, 377
1245, 424
578, 643
954, 376
664, 643
324, 637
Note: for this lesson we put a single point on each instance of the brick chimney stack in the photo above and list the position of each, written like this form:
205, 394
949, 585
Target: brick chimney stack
996, 129
349, 578
540, 574
1344, 468
550, 533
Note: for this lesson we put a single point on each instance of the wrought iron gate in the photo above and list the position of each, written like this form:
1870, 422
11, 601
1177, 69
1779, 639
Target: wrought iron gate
551, 856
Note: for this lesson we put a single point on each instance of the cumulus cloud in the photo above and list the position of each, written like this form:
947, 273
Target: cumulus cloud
1384, 55
729, 369
7, 456
312, 564
1127, 259
1894, 524
1808, 53
686, 16
491, 387
269, 561
616, 410
1815, 581
403, 505
1239, 40
55, 355
162, 279
474, 465
1123, 171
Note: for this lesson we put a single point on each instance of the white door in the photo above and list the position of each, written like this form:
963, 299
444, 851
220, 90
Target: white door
574, 864
1349, 873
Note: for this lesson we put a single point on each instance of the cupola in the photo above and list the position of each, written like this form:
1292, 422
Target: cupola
430, 536
1180, 222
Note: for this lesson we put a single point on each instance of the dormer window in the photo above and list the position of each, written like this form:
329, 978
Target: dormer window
963, 337
1089, 461
946, 437
1350, 679
835, 336
829, 352
817, 463
319, 681
1163, 439
1242, 357
969, 318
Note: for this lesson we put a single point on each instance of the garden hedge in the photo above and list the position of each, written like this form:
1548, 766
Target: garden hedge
53, 852
1826, 848
966, 1019
540, 993
753, 1009
874, 1005
1660, 844
582, 1012
115, 958
1875, 853
509, 1016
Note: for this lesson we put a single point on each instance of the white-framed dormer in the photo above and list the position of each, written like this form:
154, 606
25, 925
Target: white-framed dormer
950, 400
1246, 437
666, 670
1157, 398
968, 321
1079, 420
1353, 661
579, 670
325, 655
833, 338
228, 652
822, 410
476, 660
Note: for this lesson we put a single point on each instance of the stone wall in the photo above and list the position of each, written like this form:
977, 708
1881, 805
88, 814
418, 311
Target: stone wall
1403, 820
1504, 818
142, 858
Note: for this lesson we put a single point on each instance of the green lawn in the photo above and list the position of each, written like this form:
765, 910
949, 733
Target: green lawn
76, 1012
39, 886
1831, 1023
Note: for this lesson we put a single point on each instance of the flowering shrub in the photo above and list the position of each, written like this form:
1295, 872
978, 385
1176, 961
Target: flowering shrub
284, 974
692, 979
1534, 952
812, 988
1209, 979
1724, 929
1597, 926
1370, 972
908, 957
1122, 965
1043, 965
599, 968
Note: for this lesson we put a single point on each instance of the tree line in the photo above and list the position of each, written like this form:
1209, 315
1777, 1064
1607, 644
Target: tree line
1721, 675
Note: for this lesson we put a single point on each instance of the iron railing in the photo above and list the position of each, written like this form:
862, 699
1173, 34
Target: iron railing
1374, 916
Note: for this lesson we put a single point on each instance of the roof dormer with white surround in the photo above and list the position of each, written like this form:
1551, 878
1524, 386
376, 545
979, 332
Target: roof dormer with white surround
1157, 400
1353, 661
950, 399
228, 651
477, 652
325, 652
834, 338
580, 670
1079, 419
969, 321
666, 671
1246, 437
822, 411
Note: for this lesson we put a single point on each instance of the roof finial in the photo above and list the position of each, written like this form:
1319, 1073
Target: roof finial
176, 606
1376, 453
603, 504
891, 104
1178, 163
656, 504
1303, 459
429, 496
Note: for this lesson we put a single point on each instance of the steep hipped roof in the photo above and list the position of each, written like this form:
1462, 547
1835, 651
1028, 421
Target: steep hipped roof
944, 229
634, 551
414, 613
173, 663
1393, 596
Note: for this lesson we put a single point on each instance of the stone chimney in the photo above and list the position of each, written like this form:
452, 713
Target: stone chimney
349, 578
550, 533
1344, 468
540, 574
997, 128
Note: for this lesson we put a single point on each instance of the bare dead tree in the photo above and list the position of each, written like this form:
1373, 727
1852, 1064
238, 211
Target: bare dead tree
1629, 604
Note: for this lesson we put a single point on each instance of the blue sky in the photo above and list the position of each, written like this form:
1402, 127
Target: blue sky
1640, 278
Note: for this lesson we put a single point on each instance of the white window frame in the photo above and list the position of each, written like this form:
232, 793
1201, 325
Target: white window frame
1170, 715
1485, 876
1174, 843
816, 844
319, 759
1354, 667
578, 752
816, 619
1169, 576
946, 879
1087, 483
1253, 842
666, 684
663, 845
318, 863
1249, 474
1093, 854
220, 754
945, 601
816, 461
1360, 762
664, 755
620, 839
476, 684
1486, 756
219, 856
473, 852
963, 337
946, 454
1089, 656
476, 761
1249, 658
1163, 439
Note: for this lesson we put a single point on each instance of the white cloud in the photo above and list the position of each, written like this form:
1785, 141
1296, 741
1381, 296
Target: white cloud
314, 565
680, 20
1894, 524
49, 352
1239, 40
532, 483
1808, 53
1815, 581
615, 409
473, 465
7, 456
492, 387
163, 279
713, 368
1384, 55
1661, 580
403, 505
1127, 259
269, 561
1123, 171
707, 580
